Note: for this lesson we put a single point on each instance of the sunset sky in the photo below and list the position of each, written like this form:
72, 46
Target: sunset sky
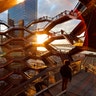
54, 7
50, 7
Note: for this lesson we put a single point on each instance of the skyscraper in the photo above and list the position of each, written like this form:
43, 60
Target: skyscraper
26, 11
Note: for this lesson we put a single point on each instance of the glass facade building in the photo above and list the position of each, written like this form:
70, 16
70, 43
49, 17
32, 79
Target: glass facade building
26, 11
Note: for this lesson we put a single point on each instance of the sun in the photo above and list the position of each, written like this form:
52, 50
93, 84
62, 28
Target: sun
20, 1
41, 38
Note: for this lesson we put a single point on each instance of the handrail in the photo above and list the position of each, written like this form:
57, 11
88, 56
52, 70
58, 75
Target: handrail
66, 13
41, 19
23, 86
16, 28
7, 75
13, 39
50, 86
6, 63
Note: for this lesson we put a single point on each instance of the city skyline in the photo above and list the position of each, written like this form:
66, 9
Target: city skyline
50, 8
26, 11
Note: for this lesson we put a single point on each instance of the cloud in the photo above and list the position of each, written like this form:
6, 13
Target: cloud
51, 8
54, 7
66, 26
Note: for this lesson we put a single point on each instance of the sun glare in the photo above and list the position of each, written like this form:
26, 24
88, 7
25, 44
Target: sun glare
41, 38
41, 49
20, 1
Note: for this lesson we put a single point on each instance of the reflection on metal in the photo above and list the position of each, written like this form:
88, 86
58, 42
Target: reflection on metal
6, 4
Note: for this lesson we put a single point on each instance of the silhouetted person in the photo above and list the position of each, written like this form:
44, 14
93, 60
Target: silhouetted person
38, 86
66, 74
43, 82
22, 94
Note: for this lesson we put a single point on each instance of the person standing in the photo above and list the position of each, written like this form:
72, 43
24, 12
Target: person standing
66, 74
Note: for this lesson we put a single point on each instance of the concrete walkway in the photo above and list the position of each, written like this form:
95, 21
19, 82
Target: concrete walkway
82, 84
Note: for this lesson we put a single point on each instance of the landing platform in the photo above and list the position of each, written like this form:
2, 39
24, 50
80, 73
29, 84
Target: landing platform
82, 84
